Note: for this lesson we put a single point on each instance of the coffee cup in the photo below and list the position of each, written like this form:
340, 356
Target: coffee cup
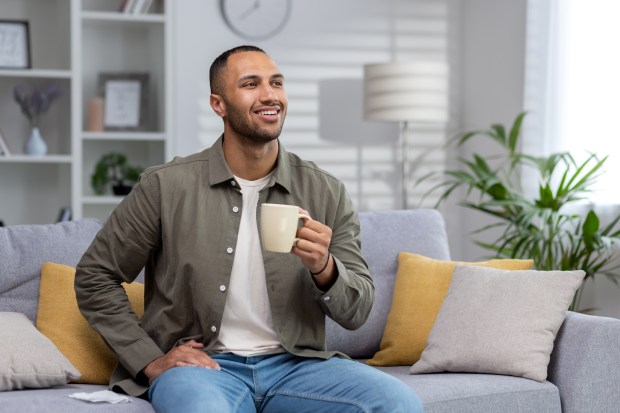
279, 225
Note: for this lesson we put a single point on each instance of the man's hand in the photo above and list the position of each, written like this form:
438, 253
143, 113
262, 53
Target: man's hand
188, 354
313, 249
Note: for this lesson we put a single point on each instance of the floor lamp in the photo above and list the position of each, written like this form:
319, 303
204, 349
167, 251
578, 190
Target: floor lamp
413, 92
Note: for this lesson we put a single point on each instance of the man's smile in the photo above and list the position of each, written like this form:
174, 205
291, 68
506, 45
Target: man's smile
269, 114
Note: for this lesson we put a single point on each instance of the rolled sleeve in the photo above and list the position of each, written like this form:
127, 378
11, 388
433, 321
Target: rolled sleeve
349, 300
136, 356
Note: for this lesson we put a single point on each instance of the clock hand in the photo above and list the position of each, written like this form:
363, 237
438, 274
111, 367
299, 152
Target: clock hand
249, 11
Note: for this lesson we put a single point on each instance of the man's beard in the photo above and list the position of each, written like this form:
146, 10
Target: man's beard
238, 122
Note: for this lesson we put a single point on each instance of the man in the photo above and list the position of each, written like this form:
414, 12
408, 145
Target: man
229, 327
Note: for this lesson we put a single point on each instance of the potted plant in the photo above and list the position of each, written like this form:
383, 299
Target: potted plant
112, 168
542, 226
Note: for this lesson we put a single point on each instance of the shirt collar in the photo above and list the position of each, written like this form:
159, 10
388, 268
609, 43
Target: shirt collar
220, 172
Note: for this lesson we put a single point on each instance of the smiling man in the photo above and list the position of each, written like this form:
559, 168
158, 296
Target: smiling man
229, 326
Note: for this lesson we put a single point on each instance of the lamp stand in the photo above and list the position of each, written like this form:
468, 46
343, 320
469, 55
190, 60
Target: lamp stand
406, 166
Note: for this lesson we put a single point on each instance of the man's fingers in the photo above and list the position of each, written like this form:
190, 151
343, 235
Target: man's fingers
194, 344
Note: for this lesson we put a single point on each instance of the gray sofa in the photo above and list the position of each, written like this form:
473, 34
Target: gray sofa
583, 376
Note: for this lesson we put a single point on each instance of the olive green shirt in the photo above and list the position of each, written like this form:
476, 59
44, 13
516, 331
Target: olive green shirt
180, 223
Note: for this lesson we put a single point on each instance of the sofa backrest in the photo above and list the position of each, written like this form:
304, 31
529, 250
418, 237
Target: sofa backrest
23, 248
384, 235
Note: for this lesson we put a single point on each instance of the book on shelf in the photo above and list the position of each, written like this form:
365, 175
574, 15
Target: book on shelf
4, 147
135, 6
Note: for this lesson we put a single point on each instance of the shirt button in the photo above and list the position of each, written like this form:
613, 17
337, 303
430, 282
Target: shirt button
233, 183
222, 288
213, 329
235, 209
326, 298
229, 250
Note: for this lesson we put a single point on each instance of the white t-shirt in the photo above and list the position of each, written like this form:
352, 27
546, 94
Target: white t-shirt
247, 325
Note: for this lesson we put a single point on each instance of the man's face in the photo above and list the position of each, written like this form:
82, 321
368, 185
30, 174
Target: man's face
254, 98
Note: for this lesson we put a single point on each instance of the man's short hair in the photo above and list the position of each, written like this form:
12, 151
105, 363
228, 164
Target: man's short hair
215, 72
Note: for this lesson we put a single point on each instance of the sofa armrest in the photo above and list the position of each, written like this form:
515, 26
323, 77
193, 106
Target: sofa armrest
585, 364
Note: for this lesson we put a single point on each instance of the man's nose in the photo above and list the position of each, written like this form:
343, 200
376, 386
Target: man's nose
268, 94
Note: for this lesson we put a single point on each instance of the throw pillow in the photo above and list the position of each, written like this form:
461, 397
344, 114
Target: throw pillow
419, 289
59, 318
499, 322
28, 359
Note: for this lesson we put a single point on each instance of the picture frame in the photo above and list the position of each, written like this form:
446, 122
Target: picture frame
125, 100
15, 44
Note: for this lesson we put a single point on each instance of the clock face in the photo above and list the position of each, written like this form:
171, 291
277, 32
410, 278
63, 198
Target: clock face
256, 19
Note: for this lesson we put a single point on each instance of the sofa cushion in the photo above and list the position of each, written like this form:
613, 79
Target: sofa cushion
420, 288
57, 400
27, 358
499, 322
384, 235
474, 393
59, 318
23, 248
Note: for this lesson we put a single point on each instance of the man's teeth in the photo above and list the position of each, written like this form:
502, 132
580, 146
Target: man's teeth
268, 112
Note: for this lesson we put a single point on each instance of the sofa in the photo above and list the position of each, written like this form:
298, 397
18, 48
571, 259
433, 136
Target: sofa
583, 372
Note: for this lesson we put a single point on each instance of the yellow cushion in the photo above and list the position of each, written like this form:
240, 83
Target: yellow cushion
420, 287
59, 319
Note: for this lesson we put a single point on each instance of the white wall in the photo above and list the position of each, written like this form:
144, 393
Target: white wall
489, 55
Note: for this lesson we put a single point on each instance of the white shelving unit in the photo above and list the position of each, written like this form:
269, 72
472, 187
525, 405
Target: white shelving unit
72, 42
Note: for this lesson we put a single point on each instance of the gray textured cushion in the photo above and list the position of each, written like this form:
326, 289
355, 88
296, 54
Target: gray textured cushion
384, 235
23, 248
28, 359
475, 393
499, 321
56, 400
584, 364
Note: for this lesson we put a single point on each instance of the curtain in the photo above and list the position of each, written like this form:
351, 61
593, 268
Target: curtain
572, 84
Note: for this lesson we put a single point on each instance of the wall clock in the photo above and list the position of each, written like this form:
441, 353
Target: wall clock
256, 19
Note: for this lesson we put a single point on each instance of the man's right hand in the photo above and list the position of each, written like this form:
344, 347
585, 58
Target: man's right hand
188, 354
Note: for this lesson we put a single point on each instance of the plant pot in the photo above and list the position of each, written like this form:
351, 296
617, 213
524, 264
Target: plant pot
121, 189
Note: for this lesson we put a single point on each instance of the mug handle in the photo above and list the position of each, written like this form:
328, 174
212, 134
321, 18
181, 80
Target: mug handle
300, 216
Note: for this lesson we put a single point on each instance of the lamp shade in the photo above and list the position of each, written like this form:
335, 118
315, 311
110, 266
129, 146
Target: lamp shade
399, 91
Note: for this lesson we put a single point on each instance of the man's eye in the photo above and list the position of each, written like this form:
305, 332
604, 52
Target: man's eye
250, 84
278, 83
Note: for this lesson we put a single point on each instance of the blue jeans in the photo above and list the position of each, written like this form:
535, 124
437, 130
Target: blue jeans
281, 383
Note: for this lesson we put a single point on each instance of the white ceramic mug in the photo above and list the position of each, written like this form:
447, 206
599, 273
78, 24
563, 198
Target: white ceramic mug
278, 225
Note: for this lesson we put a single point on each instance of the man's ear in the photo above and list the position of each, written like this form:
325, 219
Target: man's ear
217, 104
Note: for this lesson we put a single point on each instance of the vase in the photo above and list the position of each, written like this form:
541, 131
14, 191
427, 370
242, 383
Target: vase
35, 145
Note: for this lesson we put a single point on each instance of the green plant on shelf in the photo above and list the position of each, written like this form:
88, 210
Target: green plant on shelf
113, 169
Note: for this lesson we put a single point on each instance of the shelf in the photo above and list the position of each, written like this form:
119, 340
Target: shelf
116, 17
35, 159
71, 43
102, 200
36, 73
124, 136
